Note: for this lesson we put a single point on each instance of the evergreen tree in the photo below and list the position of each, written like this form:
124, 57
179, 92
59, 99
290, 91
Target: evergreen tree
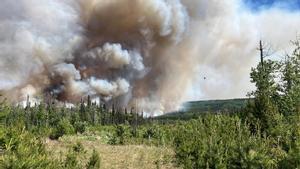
263, 107
290, 82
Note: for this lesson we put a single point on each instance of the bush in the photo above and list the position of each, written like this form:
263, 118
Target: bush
64, 127
80, 127
220, 141
119, 136
94, 162
78, 148
24, 150
71, 161
154, 134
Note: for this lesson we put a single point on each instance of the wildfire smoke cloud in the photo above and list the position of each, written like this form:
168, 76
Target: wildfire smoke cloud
127, 51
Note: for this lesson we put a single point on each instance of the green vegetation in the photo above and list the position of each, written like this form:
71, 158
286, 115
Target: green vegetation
216, 105
23, 150
222, 141
261, 132
192, 110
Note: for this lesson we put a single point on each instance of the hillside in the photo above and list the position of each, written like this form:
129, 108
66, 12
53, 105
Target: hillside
196, 108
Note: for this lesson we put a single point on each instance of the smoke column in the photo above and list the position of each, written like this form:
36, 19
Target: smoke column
153, 54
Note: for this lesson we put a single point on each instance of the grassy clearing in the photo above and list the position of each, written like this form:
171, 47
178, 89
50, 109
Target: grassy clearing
117, 156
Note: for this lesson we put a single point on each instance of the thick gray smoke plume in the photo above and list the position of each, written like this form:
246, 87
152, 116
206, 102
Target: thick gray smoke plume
152, 54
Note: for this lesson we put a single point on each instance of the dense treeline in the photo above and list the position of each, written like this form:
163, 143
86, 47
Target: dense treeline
22, 130
194, 109
264, 134
47, 117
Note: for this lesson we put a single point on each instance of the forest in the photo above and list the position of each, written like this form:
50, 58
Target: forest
260, 132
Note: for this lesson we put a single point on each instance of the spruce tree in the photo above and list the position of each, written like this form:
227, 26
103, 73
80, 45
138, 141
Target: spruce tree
290, 82
263, 107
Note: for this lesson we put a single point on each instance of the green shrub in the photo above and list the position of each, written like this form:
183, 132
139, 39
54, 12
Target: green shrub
112, 139
94, 161
119, 136
78, 148
154, 134
25, 151
220, 141
71, 161
64, 127
80, 127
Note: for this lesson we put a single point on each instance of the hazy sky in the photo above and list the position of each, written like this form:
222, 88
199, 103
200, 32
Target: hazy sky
224, 71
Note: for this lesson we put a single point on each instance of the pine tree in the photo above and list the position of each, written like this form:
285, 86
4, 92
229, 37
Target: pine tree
263, 76
290, 82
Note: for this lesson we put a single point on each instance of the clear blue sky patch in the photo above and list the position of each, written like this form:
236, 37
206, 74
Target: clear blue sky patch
258, 5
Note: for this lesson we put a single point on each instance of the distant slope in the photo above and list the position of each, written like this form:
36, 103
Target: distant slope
196, 108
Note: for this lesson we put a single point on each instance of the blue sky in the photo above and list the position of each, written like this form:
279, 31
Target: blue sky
258, 5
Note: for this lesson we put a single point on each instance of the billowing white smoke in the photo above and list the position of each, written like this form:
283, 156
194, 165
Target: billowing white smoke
153, 54
226, 35
116, 57
112, 54
67, 71
34, 34
110, 89
71, 79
